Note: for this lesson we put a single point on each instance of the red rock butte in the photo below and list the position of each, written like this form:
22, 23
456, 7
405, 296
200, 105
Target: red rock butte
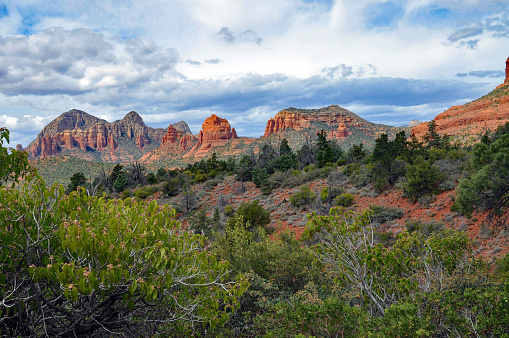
472, 119
215, 131
339, 122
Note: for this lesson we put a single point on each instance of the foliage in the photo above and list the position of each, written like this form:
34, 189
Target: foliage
81, 265
252, 215
304, 197
121, 182
488, 186
356, 154
276, 269
14, 164
77, 180
151, 178
343, 200
382, 213
422, 178
383, 276
309, 315
325, 154
385, 169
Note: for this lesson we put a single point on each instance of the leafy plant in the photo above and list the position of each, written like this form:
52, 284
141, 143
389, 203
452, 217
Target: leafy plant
304, 197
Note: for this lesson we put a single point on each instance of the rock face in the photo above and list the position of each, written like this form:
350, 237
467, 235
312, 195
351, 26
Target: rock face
83, 135
215, 132
341, 132
183, 127
300, 119
180, 145
506, 71
172, 135
339, 123
466, 122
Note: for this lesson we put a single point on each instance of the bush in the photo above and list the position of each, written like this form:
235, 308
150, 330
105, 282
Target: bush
422, 179
143, 193
253, 214
82, 270
228, 210
304, 197
343, 200
151, 178
382, 214
126, 193
425, 228
120, 183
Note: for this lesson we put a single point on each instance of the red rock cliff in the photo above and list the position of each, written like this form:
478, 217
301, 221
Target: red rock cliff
172, 135
77, 130
473, 118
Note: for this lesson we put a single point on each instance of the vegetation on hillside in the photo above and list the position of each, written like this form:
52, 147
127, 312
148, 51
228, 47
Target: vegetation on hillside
345, 277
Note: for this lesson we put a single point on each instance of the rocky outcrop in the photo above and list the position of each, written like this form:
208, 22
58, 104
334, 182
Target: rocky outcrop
182, 127
19, 147
506, 71
215, 132
341, 132
466, 122
185, 143
80, 134
172, 135
300, 119
339, 123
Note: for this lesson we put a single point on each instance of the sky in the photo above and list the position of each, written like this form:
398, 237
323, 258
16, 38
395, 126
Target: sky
389, 62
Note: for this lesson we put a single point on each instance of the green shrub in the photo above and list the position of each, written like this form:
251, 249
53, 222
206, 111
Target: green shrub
143, 193
310, 167
304, 197
425, 228
120, 183
343, 200
126, 193
228, 210
151, 178
252, 215
382, 214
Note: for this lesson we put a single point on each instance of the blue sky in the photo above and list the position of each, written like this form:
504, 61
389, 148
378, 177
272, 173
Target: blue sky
170, 60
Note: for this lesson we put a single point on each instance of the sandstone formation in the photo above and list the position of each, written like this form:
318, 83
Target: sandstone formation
341, 132
19, 147
506, 71
467, 122
339, 123
78, 133
215, 131
172, 135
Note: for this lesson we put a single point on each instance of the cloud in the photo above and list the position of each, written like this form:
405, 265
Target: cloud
226, 34
483, 74
338, 71
79, 61
193, 62
471, 44
214, 61
466, 32
499, 26
383, 15
229, 36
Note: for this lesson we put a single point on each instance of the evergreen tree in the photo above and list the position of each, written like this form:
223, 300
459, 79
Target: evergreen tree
325, 154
